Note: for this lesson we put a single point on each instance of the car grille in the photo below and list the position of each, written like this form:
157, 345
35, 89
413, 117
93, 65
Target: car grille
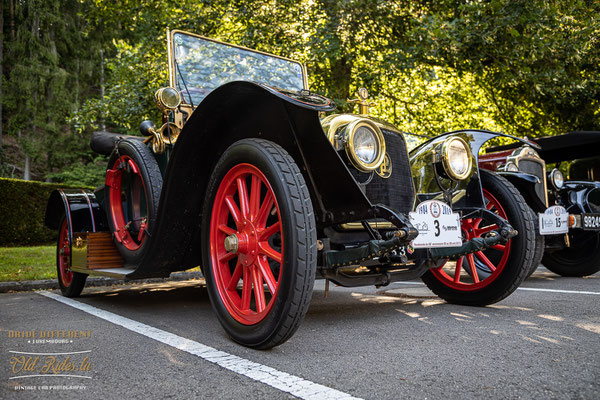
397, 191
537, 169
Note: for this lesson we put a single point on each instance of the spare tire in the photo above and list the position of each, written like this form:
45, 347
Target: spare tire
133, 184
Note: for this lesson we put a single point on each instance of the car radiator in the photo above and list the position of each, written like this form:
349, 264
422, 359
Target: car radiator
537, 169
397, 191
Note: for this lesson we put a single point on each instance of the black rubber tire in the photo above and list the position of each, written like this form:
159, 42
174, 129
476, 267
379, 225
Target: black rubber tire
152, 179
581, 259
300, 238
540, 244
521, 255
77, 284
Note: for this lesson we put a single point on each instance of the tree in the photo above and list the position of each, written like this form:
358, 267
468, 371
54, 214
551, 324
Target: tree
536, 61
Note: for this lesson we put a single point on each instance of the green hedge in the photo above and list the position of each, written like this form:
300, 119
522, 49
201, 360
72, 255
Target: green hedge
22, 210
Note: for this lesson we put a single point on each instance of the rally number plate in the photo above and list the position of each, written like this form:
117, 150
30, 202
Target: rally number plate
554, 221
438, 226
590, 222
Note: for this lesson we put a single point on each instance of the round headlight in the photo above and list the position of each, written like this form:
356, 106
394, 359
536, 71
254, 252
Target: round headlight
456, 158
167, 98
511, 167
557, 178
365, 145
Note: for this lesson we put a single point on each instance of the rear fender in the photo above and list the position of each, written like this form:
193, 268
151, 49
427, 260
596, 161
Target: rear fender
80, 208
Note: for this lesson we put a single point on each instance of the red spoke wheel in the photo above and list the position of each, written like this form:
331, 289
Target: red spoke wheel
133, 184
488, 276
71, 283
244, 222
261, 243
474, 271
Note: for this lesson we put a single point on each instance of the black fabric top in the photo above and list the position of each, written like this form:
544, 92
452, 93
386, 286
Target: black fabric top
570, 146
103, 142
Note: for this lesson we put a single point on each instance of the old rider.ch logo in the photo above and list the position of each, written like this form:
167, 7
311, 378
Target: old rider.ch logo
385, 169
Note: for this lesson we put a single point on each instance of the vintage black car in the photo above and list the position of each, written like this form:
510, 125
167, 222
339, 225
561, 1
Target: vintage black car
568, 231
248, 180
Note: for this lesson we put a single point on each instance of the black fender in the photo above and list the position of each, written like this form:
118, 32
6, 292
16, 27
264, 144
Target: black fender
80, 208
580, 197
466, 193
525, 183
232, 112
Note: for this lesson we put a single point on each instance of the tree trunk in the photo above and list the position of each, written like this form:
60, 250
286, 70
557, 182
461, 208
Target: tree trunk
102, 121
27, 170
12, 20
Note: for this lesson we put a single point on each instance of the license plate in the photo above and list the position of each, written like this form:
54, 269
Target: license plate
438, 226
554, 221
590, 222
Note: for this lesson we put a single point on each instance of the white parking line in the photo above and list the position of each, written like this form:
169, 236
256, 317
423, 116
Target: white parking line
521, 288
557, 290
283, 381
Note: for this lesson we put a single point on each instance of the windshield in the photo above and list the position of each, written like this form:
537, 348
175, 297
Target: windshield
201, 65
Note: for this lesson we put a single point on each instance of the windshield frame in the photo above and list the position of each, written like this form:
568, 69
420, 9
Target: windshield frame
171, 58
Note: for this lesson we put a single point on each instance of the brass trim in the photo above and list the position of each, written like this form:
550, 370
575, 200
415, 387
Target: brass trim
363, 103
528, 153
446, 162
349, 145
385, 169
373, 224
160, 103
171, 60
79, 249
172, 138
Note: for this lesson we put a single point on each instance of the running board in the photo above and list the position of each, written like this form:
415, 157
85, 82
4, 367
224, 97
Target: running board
119, 273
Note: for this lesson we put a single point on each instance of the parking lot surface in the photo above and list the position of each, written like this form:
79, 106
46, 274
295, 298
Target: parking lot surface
399, 341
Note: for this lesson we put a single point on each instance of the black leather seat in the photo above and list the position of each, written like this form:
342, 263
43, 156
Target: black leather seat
103, 142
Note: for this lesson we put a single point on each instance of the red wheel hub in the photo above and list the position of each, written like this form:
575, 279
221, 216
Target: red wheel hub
64, 255
477, 270
246, 244
128, 202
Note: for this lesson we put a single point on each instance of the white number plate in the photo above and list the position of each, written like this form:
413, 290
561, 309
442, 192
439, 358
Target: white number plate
438, 226
554, 221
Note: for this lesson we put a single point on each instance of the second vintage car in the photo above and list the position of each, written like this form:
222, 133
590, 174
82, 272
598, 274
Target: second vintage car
246, 179
568, 229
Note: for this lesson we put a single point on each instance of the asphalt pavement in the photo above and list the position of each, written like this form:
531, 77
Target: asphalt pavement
162, 340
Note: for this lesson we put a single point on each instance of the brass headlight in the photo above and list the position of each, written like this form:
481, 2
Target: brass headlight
167, 98
365, 145
456, 158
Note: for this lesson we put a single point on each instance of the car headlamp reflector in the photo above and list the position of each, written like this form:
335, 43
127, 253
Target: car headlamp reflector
557, 178
167, 98
456, 158
365, 145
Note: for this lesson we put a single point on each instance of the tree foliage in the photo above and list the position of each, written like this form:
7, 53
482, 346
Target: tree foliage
526, 67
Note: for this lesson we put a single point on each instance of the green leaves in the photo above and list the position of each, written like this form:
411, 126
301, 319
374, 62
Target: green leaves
526, 67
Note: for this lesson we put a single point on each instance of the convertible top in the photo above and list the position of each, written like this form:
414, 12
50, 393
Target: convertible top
570, 146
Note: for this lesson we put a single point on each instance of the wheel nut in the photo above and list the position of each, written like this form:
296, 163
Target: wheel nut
231, 243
